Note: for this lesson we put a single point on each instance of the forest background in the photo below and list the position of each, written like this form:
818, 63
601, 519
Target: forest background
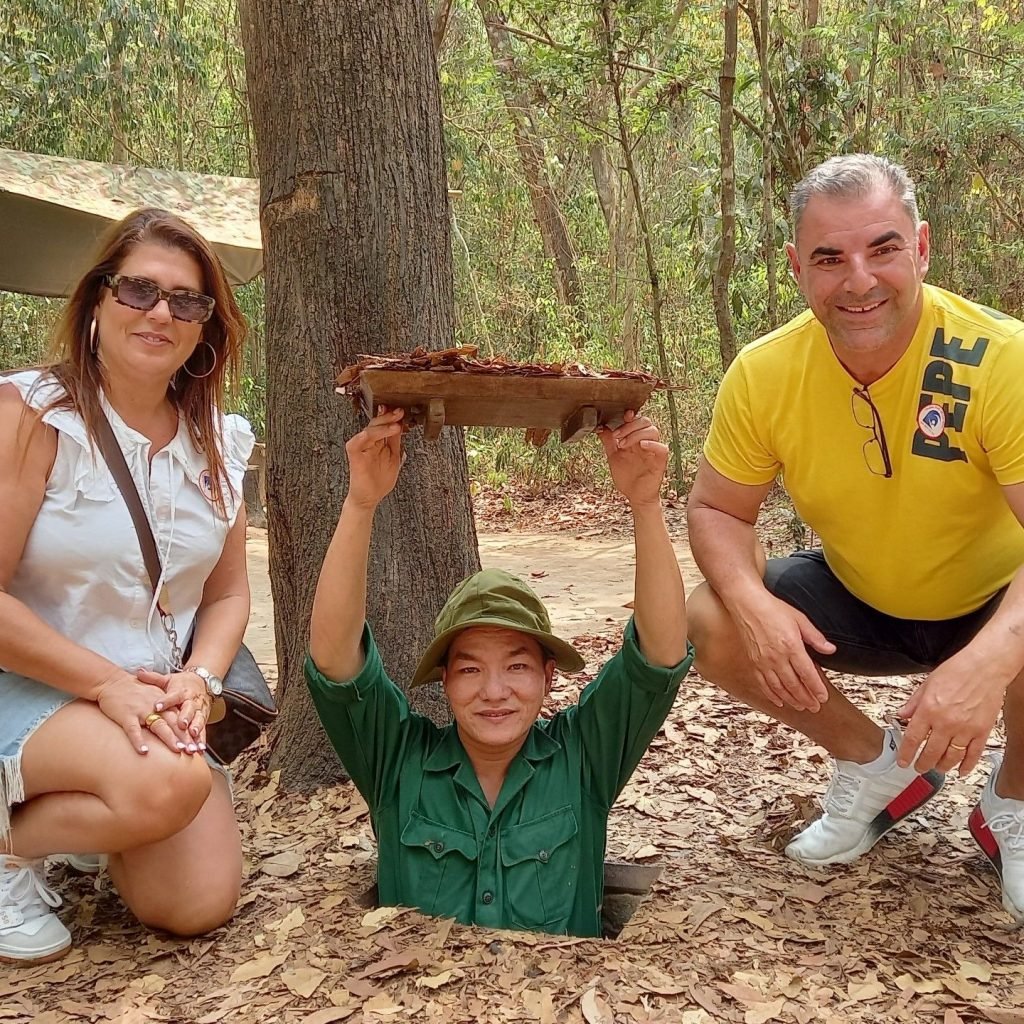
620, 170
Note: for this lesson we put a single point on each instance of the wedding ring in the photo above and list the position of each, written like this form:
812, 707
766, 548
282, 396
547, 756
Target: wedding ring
150, 719
956, 746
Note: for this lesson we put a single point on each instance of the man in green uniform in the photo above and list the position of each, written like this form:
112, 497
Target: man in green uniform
500, 818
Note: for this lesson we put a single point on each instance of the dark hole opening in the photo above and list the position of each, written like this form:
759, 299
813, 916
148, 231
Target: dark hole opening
625, 888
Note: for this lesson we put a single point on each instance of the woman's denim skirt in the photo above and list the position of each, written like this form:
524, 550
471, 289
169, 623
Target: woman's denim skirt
24, 705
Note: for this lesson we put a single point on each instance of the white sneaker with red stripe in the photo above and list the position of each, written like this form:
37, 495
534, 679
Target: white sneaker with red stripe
861, 805
997, 824
29, 930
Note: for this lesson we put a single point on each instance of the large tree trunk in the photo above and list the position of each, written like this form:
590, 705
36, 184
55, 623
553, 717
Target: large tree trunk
346, 110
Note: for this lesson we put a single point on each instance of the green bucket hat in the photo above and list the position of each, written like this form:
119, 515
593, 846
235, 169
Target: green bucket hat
493, 597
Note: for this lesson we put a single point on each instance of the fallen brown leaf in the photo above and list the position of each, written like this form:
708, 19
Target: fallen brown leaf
595, 1009
281, 865
303, 981
330, 1014
764, 1013
404, 961
259, 967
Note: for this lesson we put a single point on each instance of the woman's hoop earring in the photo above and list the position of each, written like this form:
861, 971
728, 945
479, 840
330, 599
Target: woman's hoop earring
213, 365
93, 345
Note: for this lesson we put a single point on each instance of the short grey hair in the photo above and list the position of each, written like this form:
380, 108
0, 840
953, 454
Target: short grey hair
854, 176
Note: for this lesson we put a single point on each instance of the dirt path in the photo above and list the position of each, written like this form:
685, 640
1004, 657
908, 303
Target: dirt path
586, 580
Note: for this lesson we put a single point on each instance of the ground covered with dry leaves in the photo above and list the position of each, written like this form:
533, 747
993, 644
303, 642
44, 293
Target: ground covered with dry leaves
732, 931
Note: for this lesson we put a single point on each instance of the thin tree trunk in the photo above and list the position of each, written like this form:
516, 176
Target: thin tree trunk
792, 161
727, 252
767, 174
547, 213
116, 93
615, 197
657, 299
439, 23
238, 89
870, 105
179, 89
810, 48
347, 117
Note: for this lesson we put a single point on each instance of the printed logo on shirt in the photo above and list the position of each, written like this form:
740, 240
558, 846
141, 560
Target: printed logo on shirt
931, 421
206, 484
943, 403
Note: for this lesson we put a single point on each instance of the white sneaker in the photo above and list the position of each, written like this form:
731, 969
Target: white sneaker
29, 931
860, 806
997, 824
85, 863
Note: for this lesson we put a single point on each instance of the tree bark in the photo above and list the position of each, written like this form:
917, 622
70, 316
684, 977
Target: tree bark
727, 252
353, 202
869, 114
789, 155
547, 213
615, 197
439, 23
116, 92
627, 146
179, 99
767, 172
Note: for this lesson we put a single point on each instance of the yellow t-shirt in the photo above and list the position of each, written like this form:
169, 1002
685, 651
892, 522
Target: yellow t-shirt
937, 538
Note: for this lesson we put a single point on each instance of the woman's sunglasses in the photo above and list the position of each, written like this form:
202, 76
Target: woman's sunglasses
141, 293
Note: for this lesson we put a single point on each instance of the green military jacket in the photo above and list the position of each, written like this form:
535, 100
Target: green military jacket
535, 860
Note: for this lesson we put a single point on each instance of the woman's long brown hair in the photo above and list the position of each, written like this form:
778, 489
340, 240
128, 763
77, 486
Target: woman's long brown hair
199, 400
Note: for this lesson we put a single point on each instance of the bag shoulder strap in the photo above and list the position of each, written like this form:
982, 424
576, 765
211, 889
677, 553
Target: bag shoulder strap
118, 466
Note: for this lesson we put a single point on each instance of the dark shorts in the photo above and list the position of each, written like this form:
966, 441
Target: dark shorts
868, 642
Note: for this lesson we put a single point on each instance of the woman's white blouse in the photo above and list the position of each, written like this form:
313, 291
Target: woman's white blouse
82, 569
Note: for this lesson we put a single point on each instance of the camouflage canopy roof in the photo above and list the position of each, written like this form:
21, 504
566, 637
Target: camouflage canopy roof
53, 209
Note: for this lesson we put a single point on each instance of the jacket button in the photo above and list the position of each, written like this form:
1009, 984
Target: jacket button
487, 897
543, 856
438, 847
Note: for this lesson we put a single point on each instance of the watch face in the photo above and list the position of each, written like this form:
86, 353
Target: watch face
214, 684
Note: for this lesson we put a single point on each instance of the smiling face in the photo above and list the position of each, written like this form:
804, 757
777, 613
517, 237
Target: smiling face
149, 344
496, 681
860, 263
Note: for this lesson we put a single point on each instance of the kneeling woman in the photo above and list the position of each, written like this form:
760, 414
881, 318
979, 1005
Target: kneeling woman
499, 819
102, 732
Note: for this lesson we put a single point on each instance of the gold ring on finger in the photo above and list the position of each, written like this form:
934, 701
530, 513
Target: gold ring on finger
150, 719
956, 746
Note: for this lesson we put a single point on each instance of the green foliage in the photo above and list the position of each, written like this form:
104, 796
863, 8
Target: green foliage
153, 82
938, 86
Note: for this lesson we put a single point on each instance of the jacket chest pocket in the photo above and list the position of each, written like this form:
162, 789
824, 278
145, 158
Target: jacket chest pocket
441, 865
541, 860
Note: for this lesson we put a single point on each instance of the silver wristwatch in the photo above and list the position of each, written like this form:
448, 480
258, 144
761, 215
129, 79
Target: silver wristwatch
214, 684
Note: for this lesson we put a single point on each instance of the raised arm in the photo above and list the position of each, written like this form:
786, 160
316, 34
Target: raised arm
339, 607
637, 460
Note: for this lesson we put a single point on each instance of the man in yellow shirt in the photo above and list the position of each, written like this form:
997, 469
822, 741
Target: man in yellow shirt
892, 411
